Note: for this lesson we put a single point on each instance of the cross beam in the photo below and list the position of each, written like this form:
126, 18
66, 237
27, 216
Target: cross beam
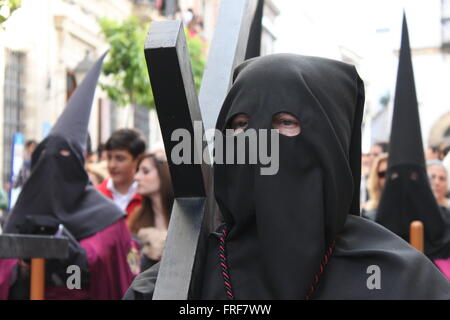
37, 248
177, 105
176, 102
20, 246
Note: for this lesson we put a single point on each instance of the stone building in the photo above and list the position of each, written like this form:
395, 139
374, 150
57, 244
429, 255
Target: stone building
48, 45
45, 49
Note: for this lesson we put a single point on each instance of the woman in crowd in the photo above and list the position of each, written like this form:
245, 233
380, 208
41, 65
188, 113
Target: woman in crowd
375, 186
439, 182
150, 221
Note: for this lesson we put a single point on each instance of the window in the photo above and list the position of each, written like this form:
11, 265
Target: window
71, 84
445, 12
13, 105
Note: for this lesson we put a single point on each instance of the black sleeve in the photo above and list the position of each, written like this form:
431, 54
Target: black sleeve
143, 285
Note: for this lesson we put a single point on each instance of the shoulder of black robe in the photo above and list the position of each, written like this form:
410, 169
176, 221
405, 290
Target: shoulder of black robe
445, 211
405, 273
407, 194
58, 187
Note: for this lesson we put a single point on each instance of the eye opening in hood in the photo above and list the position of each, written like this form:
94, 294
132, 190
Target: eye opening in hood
238, 123
286, 123
65, 152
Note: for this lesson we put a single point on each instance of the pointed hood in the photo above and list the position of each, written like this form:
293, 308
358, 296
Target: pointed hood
407, 195
58, 190
406, 145
254, 38
73, 122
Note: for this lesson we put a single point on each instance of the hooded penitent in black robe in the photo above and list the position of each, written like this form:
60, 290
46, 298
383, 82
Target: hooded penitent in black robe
296, 234
407, 194
58, 192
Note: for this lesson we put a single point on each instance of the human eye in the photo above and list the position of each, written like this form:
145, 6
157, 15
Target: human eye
238, 123
287, 124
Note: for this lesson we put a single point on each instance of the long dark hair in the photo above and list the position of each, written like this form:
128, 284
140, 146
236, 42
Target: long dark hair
144, 216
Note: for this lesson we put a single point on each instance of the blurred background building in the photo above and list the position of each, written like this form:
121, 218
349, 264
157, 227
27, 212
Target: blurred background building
47, 47
367, 34
429, 31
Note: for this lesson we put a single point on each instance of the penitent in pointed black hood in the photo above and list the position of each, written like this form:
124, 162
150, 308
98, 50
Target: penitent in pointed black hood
58, 189
407, 195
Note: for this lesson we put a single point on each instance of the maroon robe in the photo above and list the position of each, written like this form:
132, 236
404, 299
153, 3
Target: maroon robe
108, 251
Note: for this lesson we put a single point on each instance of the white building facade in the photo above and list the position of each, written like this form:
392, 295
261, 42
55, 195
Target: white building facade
429, 32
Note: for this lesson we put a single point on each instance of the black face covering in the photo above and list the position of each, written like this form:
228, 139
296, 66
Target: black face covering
408, 197
55, 167
281, 225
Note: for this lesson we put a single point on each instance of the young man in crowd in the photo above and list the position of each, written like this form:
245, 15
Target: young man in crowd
123, 149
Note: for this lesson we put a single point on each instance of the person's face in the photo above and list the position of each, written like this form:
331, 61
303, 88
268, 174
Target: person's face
382, 168
147, 178
121, 166
93, 158
438, 181
104, 156
31, 148
365, 163
432, 154
375, 151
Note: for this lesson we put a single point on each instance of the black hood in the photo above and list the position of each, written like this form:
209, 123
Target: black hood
58, 188
281, 225
407, 195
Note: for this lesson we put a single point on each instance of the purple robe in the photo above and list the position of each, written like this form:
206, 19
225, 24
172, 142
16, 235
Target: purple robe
108, 251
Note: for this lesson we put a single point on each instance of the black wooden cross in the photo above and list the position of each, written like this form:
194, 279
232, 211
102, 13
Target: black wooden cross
195, 211
37, 248
21, 246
